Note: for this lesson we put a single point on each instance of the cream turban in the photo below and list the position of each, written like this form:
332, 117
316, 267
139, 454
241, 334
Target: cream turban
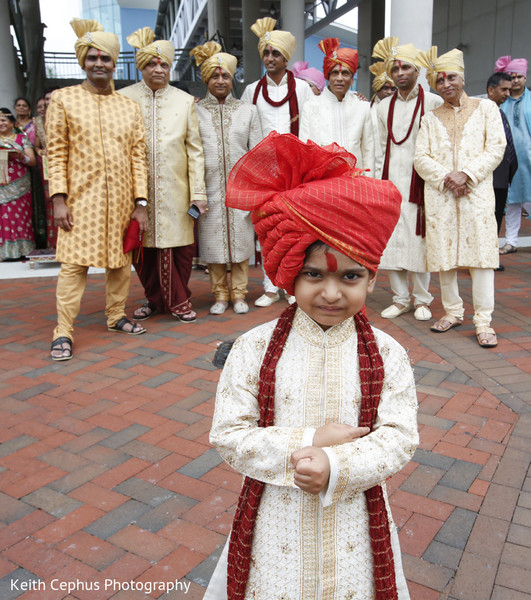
380, 76
451, 62
283, 41
389, 51
91, 35
210, 58
142, 40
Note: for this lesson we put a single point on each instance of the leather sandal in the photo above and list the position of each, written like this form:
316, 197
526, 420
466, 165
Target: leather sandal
445, 323
486, 336
144, 312
119, 326
188, 317
57, 346
508, 249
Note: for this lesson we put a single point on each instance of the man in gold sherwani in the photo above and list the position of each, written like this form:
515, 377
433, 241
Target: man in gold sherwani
458, 147
97, 170
176, 180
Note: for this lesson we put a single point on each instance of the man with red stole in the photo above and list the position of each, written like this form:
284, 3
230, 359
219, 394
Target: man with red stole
316, 408
279, 97
399, 118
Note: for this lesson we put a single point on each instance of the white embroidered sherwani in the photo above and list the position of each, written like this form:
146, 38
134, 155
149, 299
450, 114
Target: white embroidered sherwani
305, 546
276, 118
405, 249
460, 232
175, 163
228, 131
348, 123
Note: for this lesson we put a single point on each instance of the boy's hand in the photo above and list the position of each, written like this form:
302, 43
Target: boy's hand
312, 469
335, 434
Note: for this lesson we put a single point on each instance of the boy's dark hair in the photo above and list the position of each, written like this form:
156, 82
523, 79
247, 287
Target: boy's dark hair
320, 244
496, 78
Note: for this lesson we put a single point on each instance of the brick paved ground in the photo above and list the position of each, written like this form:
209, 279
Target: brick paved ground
106, 471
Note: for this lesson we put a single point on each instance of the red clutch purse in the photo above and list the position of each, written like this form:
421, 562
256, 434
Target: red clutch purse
133, 237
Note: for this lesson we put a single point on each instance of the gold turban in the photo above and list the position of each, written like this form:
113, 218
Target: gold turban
389, 51
91, 35
142, 40
210, 58
451, 62
380, 76
283, 41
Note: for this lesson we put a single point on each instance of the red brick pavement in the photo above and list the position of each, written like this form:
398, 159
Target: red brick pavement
106, 472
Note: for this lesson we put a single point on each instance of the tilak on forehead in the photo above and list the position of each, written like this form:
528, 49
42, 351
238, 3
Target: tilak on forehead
391, 53
211, 60
331, 261
147, 49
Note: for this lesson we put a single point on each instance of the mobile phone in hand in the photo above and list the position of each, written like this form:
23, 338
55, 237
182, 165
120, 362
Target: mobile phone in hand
193, 211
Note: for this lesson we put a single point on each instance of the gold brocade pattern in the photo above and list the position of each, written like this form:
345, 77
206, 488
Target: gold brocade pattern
303, 549
96, 156
470, 138
227, 131
175, 163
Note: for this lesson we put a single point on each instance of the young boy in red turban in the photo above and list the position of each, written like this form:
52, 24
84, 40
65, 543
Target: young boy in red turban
317, 409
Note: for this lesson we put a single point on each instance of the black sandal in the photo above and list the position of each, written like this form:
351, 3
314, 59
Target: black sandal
141, 313
57, 345
120, 327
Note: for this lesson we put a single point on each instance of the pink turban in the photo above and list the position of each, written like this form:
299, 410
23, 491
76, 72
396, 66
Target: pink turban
505, 64
301, 70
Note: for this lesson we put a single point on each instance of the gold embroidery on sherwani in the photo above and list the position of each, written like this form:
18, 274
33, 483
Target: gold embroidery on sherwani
176, 164
228, 131
301, 549
96, 154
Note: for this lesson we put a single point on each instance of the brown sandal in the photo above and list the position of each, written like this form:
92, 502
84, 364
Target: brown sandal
484, 335
450, 322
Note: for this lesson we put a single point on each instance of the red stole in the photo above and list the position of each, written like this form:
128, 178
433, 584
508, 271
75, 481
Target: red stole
371, 378
416, 189
291, 96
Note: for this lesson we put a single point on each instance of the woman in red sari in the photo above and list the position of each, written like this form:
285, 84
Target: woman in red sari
16, 155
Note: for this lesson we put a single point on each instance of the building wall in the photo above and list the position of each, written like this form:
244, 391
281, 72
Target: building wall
486, 29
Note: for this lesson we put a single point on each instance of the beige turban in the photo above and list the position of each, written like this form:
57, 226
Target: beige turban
389, 51
283, 41
380, 76
451, 62
210, 58
91, 35
142, 40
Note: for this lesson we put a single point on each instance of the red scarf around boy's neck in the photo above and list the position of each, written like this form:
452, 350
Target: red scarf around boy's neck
290, 97
371, 378
416, 189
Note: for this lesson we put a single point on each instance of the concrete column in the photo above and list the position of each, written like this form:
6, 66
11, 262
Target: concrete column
412, 23
218, 20
9, 82
252, 60
371, 27
292, 20
34, 46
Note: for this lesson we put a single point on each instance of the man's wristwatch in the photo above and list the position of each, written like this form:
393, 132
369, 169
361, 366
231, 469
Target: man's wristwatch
141, 202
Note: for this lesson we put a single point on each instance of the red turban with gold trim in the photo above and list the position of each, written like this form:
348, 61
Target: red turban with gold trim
334, 55
300, 193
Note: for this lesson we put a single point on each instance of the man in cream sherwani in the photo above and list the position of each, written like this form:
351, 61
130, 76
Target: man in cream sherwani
176, 180
338, 115
405, 255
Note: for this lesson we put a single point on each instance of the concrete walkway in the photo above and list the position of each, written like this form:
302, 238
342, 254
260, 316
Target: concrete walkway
107, 480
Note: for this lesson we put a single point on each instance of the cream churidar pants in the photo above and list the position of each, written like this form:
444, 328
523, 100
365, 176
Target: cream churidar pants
482, 294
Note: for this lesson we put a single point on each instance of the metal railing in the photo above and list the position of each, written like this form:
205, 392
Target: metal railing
64, 65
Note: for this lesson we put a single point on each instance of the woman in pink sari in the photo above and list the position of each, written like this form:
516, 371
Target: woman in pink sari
16, 155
